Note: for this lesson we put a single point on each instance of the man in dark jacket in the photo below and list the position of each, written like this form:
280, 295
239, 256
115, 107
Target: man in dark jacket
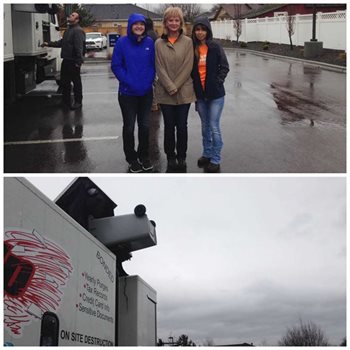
73, 50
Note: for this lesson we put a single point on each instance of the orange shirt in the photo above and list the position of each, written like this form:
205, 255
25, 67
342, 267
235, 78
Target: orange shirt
202, 63
172, 40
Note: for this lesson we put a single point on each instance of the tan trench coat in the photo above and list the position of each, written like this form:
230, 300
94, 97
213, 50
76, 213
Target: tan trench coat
174, 66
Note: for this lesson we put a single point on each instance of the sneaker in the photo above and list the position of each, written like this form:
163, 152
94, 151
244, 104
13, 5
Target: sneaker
76, 106
181, 165
135, 167
146, 165
213, 168
203, 161
172, 165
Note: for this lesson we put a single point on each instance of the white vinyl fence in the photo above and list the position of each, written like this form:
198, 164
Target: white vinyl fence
330, 29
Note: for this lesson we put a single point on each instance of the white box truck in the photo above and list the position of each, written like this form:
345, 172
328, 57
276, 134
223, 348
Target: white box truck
62, 284
26, 63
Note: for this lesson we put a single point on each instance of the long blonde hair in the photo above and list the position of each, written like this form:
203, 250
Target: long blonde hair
173, 12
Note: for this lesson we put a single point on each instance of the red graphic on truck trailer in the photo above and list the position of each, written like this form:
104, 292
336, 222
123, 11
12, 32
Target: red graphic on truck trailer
35, 272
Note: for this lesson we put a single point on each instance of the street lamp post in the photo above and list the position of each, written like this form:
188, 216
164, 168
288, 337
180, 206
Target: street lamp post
313, 48
313, 23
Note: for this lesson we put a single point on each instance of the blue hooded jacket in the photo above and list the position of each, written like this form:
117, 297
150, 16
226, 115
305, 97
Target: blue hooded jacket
133, 62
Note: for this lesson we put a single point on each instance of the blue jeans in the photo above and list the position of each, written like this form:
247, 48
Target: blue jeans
136, 108
210, 113
175, 119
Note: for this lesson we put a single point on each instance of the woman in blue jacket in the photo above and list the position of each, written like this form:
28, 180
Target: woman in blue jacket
209, 72
133, 64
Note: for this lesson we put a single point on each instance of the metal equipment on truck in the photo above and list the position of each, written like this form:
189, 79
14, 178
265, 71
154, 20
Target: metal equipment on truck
26, 63
62, 284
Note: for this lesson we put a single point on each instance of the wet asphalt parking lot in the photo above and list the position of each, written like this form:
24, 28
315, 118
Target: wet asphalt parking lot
280, 116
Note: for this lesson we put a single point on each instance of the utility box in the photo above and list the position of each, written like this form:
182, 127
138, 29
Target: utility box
27, 31
137, 310
129, 232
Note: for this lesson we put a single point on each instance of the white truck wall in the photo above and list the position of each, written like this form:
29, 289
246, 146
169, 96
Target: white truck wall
75, 275
8, 43
24, 7
137, 310
53, 52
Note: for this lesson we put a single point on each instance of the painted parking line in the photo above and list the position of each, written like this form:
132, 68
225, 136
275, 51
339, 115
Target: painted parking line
39, 142
49, 94
88, 75
114, 92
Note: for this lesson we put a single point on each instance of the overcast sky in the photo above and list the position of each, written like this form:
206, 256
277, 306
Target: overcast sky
205, 6
238, 259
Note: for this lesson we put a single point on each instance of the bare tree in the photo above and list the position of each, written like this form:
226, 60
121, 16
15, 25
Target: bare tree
208, 342
184, 341
308, 334
263, 343
190, 11
290, 23
237, 22
215, 8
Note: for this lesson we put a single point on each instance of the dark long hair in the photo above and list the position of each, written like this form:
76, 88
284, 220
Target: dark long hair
196, 42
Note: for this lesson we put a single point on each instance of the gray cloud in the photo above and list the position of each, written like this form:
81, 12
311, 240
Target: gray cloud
261, 312
300, 225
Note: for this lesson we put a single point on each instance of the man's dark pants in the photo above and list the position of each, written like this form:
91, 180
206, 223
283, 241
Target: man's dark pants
136, 108
71, 73
175, 119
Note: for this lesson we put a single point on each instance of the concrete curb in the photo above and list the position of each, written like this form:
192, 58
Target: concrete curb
326, 66
96, 60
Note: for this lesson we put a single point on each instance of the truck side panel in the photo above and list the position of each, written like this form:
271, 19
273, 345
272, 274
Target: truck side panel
8, 42
137, 307
9, 58
54, 265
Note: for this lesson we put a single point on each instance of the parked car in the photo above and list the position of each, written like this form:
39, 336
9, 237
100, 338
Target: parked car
96, 40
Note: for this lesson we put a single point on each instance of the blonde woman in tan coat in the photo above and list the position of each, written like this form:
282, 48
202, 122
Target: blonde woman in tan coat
174, 87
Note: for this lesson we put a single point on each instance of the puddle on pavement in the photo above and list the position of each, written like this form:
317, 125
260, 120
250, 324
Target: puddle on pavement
300, 105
